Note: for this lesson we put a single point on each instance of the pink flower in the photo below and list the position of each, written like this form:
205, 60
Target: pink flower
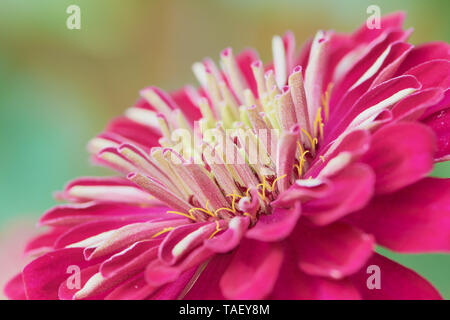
355, 124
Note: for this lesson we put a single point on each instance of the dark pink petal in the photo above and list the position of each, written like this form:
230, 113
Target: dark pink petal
400, 154
443, 104
176, 289
44, 241
105, 189
253, 270
397, 282
244, 60
183, 239
14, 289
186, 98
398, 52
293, 284
432, 74
67, 293
424, 53
387, 22
93, 285
356, 143
134, 132
335, 251
276, 226
77, 213
356, 81
88, 230
231, 237
303, 190
387, 94
159, 273
129, 234
350, 190
414, 219
135, 288
416, 104
440, 124
131, 259
206, 287
43, 276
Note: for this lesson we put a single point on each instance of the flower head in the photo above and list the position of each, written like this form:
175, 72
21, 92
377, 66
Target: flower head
269, 181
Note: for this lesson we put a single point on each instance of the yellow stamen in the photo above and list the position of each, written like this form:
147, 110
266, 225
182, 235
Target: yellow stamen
183, 214
223, 208
162, 231
276, 180
326, 100
322, 158
206, 210
318, 124
302, 161
215, 231
310, 140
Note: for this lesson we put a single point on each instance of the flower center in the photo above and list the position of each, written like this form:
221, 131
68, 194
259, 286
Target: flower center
250, 144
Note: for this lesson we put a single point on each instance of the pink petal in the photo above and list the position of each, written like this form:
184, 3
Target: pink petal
384, 92
350, 190
176, 289
44, 241
443, 104
440, 124
244, 60
335, 251
414, 219
346, 91
129, 234
131, 259
183, 239
387, 22
88, 230
185, 98
398, 52
397, 282
206, 287
356, 143
73, 214
230, 238
134, 132
400, 154
293, 284
43, 276
253, 270
14, 289
432, 74
303, 190
424, 53
65, 293
276, 226
159, 273
415, 105
135, 288
105, 189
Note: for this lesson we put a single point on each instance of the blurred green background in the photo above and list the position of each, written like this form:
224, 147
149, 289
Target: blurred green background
59, 87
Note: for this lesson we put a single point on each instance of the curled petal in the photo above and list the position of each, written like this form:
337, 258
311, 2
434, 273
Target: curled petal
335, 251
253, 270
414, 219
400, 154
276, 226
396, 282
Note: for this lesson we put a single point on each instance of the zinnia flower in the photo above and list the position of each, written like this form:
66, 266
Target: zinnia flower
347, 132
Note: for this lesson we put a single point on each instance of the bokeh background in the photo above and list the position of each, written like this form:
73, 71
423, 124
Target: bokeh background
59, 87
